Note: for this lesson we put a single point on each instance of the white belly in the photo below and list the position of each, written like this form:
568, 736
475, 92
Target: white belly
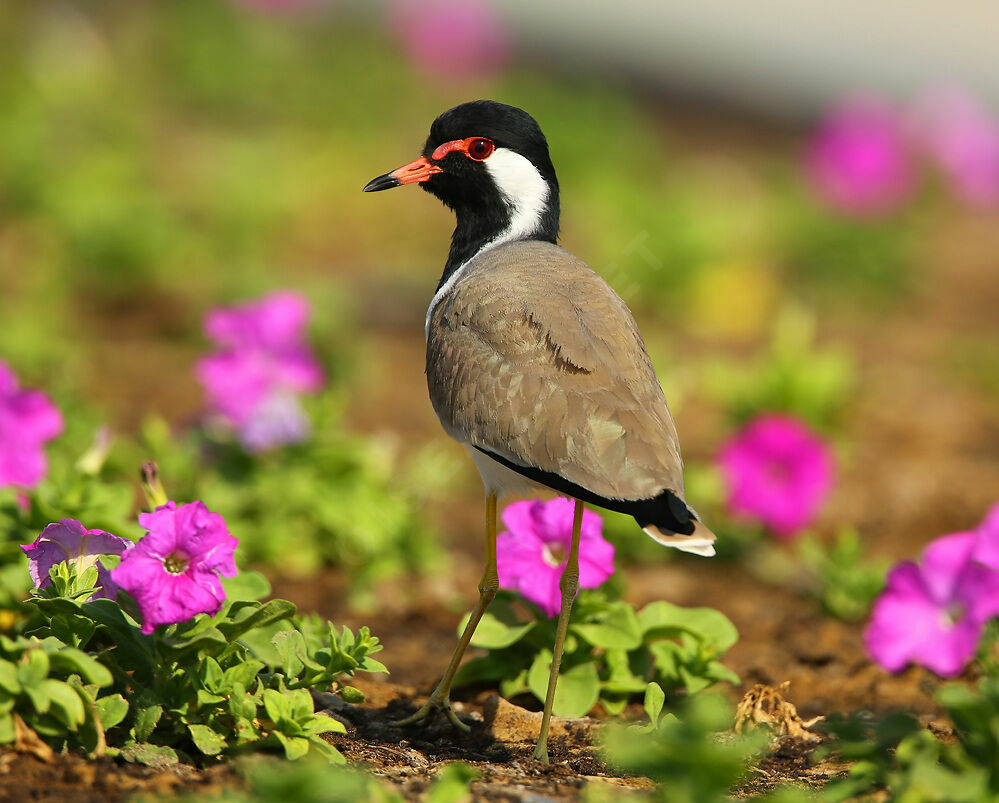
502, 481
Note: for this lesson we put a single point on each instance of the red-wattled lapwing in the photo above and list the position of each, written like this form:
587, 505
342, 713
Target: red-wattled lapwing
533, 362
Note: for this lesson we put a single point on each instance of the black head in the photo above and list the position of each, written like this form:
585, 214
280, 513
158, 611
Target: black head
488, 162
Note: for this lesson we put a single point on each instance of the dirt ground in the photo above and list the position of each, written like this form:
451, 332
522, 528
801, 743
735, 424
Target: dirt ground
923, 460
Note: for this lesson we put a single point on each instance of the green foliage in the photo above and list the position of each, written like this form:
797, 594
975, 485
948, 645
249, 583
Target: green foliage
191, 691
844, 579
792, 376
53, 688
611, 651
337, 498
896, 754
312, 781
687, 754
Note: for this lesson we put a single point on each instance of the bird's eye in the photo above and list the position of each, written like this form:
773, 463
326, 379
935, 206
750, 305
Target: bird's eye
480, 149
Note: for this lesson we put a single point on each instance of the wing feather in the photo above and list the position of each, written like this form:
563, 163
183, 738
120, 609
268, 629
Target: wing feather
532, 356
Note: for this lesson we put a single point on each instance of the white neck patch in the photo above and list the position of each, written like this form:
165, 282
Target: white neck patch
525, 190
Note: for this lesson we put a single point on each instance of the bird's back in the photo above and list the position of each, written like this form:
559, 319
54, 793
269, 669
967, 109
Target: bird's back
532, 357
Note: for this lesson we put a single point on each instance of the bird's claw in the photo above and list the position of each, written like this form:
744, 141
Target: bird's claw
431, 705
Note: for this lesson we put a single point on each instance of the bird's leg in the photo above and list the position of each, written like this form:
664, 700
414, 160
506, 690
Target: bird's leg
440, 699
568, 585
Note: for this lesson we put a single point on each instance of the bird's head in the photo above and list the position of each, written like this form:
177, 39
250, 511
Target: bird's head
488, 162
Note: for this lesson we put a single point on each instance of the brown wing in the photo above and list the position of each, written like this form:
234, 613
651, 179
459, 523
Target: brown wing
532, 356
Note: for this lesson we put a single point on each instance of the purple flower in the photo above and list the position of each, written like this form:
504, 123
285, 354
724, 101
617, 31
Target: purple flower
68, 540
533, 551
263, 364
960, 135
933, 613
173, 572
27, 420
777, 472
859, 161
455, 39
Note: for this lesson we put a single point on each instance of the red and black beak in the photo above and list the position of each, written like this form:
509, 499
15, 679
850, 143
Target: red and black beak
413, 173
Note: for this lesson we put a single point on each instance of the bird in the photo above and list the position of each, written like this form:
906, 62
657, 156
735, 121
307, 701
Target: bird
533, 362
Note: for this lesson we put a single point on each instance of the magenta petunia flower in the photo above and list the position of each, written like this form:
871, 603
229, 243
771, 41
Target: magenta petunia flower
254, 381
777, 472
860, 161
68, 540
933, 613
27, 420
533, 551
456, 39
961, 136
172, 573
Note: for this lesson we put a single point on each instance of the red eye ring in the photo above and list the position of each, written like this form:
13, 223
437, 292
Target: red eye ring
479, 148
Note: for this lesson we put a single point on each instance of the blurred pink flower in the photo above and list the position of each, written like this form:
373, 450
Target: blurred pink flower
859, 161
263, 364
933, 613
962, 137
27, 420
455, 39
533, 551
68, 540
777, 472
172, 573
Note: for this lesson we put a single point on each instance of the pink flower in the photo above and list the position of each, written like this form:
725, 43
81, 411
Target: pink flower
456, 39
263, 364
777, 472
933, 613
533, 551
172, 573
27, 420
859, 161
962, 137
68, 540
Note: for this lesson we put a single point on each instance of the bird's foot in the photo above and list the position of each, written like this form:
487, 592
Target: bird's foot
435, 703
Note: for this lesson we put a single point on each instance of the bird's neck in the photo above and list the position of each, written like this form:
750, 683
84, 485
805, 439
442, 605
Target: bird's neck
489, 225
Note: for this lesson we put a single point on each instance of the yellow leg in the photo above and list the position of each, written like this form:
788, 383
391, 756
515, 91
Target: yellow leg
568, 585
440, 699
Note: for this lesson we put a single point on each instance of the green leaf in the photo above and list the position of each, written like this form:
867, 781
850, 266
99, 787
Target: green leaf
247, 585
72, 660
664, 620
208, 642
66, 703
206, 740
111, 710
276, 705
243, 673
8, 677
145, 722
655, 698
617, 628
151, 755
294, 746
252, 615
6, 728
299, 704
351, 695
577, 691
33, 668
211, 674
451, 784
324, 723
498, 628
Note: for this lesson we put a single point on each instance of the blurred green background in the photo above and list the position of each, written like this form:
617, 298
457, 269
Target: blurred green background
158, 159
